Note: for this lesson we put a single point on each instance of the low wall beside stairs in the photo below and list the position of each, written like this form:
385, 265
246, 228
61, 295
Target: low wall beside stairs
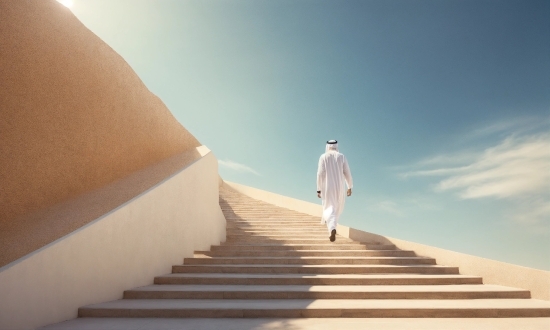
493, 272
122, 249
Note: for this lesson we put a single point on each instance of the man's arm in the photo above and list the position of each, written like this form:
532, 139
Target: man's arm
320, 176
347, 176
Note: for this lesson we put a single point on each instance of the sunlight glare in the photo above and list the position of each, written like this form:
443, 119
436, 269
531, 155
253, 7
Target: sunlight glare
66, 3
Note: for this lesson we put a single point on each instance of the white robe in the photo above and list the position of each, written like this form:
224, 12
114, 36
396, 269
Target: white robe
333, 170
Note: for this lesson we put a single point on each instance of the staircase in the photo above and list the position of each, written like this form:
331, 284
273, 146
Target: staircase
278, 263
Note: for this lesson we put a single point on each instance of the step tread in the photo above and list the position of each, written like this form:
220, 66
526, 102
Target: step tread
540, 323
326, 304
286, 247
281, 243
354, 276
329, 288
327, 251
301, 253
316, 266
351, 243
275, 231
311, 258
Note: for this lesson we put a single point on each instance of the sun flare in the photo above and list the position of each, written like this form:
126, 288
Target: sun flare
66, 3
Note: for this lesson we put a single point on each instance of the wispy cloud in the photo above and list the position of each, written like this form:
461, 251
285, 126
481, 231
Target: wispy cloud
237, 167
401, 207
388, 206
516, 126
532, 210
515, 167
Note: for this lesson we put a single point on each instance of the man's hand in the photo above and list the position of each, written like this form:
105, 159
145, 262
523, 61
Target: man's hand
319, 195
349, 192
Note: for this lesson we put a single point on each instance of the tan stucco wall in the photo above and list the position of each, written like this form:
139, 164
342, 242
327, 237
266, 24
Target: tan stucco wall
39, 228
74, 115
493, 272
122, 249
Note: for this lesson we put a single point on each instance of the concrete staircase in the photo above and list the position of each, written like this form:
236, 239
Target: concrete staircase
278, 263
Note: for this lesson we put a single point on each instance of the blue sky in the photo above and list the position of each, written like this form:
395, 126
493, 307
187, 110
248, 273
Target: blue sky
441, 107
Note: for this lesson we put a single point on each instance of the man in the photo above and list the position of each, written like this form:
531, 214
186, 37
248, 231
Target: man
333, 170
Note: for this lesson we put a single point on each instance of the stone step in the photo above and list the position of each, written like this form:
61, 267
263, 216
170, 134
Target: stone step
253, 204
126, 323
259, 209
249, 206
328, 246
326, 292
229, 208
271, 217
282, 227
305, 241
277, 231
316, 269
216, 308
277, 223
260, 220
317, 279
278, 237
312, 233
306, 253
280, 221
286, 235
309, 261
259, 212
292, 225
267, 214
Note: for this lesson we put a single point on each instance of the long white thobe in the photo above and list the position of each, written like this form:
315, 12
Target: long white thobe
333, 170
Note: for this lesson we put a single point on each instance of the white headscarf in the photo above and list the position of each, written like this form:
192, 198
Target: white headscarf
332, 145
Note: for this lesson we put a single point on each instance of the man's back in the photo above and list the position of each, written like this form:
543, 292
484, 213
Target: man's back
333, 165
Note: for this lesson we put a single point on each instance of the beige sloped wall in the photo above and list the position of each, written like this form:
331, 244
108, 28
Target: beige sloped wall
493, 272
74, 117
120, 250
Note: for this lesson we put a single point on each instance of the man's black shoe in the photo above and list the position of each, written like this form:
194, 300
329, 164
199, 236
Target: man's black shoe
332, 235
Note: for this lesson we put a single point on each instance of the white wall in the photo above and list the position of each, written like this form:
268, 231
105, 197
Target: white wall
493, 272
123, 249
